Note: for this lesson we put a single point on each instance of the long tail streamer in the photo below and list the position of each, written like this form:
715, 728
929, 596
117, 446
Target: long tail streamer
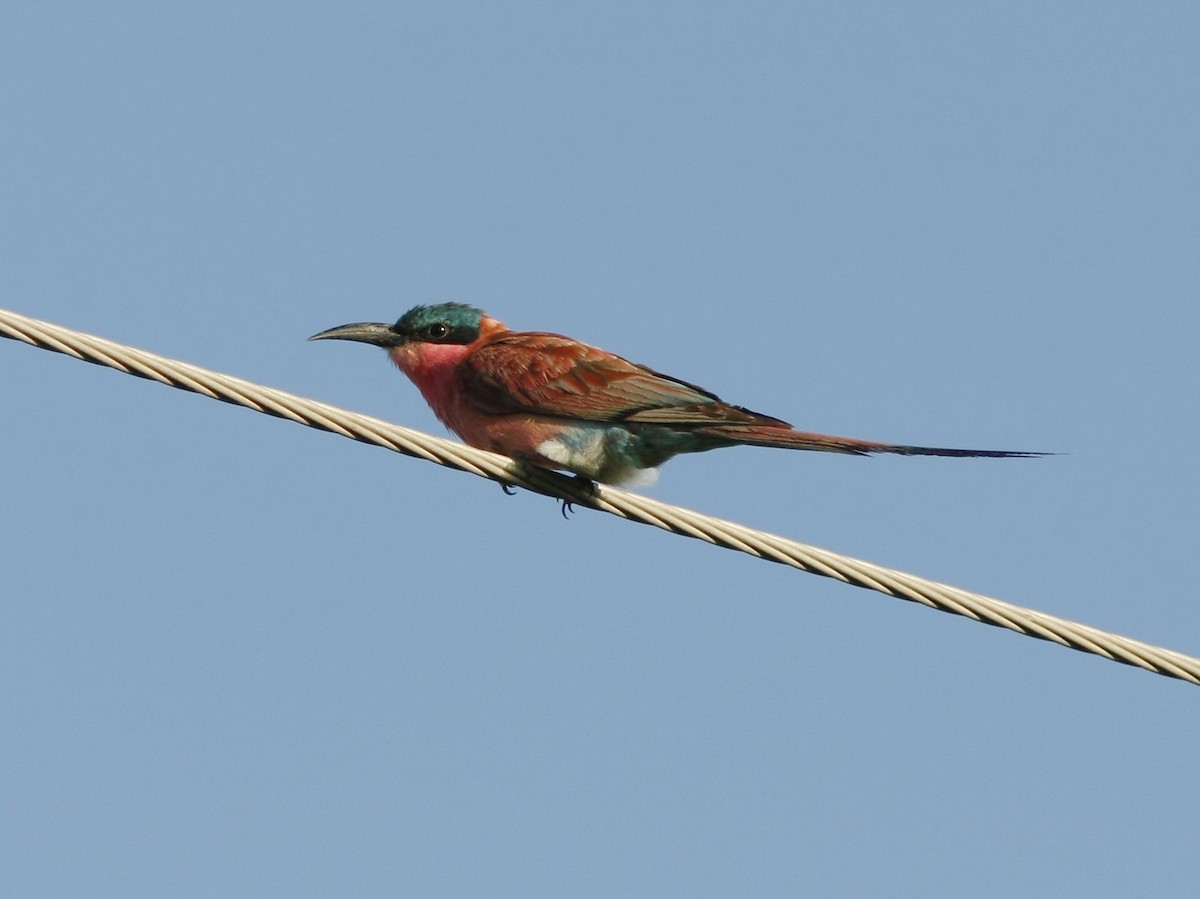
627, 505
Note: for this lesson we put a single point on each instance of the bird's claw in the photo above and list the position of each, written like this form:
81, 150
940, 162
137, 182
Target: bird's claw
587, 485
508, 489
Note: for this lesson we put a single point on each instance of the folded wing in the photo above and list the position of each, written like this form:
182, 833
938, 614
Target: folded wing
547, 374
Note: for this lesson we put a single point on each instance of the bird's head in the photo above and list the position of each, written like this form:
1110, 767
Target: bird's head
445, 323
422, 335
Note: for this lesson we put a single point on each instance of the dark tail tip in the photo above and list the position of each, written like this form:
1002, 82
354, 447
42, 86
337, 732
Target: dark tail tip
962, 453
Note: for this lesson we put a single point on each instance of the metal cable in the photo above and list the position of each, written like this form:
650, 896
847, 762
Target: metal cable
608, 499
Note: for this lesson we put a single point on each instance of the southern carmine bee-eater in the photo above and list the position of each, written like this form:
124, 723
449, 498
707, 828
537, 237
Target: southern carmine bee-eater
552, 401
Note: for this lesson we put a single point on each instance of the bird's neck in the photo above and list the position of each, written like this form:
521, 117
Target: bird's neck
433, 367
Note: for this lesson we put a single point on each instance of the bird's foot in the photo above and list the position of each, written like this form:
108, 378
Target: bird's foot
508, 488
587, 485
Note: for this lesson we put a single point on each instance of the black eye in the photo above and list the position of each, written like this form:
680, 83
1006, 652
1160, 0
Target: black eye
438, 330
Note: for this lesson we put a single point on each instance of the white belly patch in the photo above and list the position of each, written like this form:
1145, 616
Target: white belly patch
599, 454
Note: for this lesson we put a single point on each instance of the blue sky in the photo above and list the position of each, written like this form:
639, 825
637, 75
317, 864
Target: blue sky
239, 657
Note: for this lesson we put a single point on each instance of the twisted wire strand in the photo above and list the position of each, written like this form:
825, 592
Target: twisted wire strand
631, 506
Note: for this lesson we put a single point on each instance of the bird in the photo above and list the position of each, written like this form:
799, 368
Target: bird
555, 402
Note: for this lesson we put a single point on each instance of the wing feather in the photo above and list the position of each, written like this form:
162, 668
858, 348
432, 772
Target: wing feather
548, 374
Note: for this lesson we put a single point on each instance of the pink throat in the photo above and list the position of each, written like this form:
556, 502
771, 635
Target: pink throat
433, 368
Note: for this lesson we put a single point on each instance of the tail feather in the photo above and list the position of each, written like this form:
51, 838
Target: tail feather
786, 438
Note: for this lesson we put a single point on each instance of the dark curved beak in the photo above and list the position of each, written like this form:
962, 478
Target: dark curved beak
364, 332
